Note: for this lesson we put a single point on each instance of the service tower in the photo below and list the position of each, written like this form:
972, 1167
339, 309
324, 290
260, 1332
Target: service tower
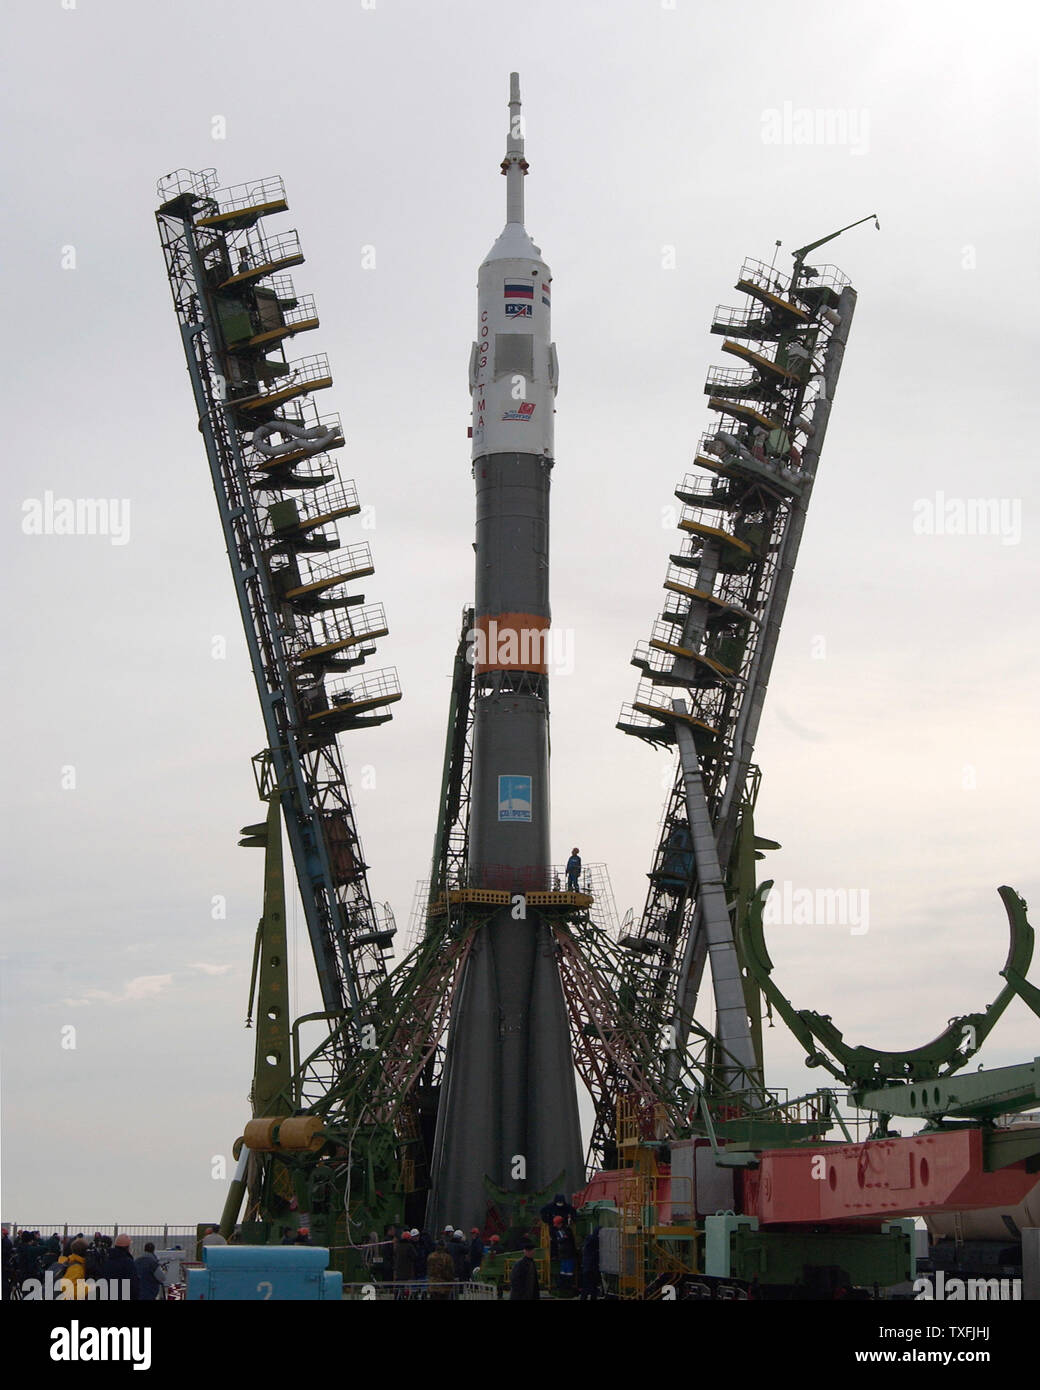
508, 1107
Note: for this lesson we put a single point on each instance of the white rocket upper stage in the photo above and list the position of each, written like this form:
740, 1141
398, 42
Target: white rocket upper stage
513, 367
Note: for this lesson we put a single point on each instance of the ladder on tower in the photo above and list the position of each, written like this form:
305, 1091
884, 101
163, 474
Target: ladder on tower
280, 496
706, 666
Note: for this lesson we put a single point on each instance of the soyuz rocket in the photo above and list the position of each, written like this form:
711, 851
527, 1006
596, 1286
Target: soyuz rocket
508, 1108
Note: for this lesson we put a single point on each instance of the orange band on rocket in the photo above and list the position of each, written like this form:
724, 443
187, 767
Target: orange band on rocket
512, 642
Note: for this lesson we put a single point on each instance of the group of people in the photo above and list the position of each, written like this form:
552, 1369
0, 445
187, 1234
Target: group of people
405, 1257
34, 1267
409, 1256
558, 1215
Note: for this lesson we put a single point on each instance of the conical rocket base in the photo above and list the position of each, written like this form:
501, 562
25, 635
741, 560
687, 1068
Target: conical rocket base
509, 1106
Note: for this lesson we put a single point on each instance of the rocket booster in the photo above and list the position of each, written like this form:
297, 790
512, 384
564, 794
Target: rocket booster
508, 1105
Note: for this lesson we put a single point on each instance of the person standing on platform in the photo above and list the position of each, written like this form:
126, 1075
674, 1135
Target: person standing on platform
573, 870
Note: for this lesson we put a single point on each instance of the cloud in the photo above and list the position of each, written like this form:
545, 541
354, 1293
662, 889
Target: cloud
140, 987
210, 969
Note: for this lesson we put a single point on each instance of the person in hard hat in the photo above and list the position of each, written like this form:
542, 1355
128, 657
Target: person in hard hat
573, 870
404, 1262
421, 1253
459, 1252
563, 1253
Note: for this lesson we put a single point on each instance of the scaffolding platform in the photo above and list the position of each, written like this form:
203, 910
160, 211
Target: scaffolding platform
714, 533
243, 205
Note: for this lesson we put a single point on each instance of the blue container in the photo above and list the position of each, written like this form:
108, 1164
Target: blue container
262, 1272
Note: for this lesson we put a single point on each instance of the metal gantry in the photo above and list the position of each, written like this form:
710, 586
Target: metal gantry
280, 496
450, 865
706, 666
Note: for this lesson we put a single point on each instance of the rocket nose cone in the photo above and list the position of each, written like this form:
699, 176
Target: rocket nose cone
514, 244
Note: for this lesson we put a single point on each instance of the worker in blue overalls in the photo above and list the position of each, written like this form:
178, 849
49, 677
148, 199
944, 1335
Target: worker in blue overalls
573, 871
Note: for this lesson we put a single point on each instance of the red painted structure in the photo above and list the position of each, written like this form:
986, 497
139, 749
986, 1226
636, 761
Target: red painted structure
882, 1178
877, 1180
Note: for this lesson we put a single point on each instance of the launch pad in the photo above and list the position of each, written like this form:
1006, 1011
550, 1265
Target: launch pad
445, 1088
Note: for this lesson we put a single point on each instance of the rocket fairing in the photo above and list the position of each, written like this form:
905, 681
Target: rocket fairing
513, 373
508, 1105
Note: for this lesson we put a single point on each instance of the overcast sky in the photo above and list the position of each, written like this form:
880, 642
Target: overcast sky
667, 141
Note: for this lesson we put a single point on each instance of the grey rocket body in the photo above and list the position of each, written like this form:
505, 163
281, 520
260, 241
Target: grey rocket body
508, 1107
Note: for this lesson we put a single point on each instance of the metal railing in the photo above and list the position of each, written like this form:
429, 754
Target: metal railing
309, 412
766, 277
349, 562
303, 310
162, 1236
732, 378
352, 625
377, 685
303, 374
201, 182
697, 516
269, 250
707, 485
827, 275
251, 195
659, 662
664, 632
638, 721
727, 446
282, 287
749, 316
421, 1291
530, 878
